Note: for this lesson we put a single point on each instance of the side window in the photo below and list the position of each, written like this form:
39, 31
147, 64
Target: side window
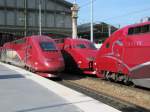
20, 41
131, 31
80, 46
139, 29
145, 28
59, 41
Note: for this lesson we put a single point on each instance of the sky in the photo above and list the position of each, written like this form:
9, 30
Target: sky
114, 12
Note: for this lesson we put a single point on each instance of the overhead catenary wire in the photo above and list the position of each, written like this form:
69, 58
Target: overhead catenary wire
91, 21
86, 4
113, 17
128, 14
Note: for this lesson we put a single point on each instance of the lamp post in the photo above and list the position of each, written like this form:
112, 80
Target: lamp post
109, 30
91, 20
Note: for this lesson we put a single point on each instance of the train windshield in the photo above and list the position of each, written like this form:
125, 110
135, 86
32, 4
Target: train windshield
48, 46
91, 46
85, 46
80, 46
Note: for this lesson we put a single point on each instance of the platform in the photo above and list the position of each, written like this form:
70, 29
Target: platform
22, 91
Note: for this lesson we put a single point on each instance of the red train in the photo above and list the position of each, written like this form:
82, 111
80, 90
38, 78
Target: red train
79, 54
36, 53
125, 56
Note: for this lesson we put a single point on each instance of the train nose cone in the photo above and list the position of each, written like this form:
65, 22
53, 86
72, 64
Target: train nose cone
47, 64
54, 65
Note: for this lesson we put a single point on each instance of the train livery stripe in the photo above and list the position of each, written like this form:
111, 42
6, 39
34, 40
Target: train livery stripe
130, 69
118, 60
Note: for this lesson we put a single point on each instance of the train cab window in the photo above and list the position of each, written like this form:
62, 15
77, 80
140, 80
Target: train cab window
20, 41
80, 46
91, 46
48, 46
58, 41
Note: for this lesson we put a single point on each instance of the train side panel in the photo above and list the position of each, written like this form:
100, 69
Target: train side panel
109, 57
44, 58
36, 53
125, 55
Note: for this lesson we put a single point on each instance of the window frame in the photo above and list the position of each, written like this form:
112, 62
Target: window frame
139, 30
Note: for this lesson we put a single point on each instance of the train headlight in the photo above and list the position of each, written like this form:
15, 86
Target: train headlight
90, 58
47, 64
47, 61
36, 63
79, 62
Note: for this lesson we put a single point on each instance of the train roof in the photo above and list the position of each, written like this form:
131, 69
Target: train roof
125, 29
39, 37
78, 39
35, 37
138, 24
135, 25
71, 39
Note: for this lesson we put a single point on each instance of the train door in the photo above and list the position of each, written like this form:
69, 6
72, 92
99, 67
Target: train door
28, 53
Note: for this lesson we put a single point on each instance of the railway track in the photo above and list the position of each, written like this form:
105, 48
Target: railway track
133, 87
101, 91
121, 98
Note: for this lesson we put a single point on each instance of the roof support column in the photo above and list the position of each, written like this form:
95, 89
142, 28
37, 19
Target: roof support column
74, 10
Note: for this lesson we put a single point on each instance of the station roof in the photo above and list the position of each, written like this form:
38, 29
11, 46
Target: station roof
96, 26
64, 2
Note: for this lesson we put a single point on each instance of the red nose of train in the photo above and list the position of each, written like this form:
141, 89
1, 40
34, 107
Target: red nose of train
53, 61
50, 62
54, 64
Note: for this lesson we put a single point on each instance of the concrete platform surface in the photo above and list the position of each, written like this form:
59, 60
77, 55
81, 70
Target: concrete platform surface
22, 91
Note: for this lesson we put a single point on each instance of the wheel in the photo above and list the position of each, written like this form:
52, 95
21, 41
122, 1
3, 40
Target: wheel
107, 75
127, 81
114, 77
31, 70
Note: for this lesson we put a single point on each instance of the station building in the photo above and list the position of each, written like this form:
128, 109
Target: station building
21, 17
100, 31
